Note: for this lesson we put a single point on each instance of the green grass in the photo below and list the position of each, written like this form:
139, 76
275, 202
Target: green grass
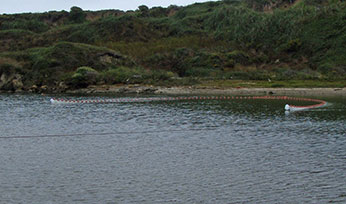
273, 84
140, 50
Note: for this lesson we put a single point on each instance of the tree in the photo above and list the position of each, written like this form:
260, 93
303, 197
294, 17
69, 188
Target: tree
77, 15
144, 10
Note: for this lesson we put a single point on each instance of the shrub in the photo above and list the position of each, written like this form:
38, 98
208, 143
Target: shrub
198, 72
83, 77
157, 12
85, 70
326, 67
123, 75
77, 15
6, 69
34, 25
82, 36
8, 66
237, 75
260, 58
161, 75
284, 73
239, 57
144, 11
292, 45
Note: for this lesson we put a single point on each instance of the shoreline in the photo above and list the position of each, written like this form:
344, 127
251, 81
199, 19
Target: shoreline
195, 90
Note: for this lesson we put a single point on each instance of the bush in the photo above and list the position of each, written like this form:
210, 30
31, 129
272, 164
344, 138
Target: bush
260, 58
239, 57
326, 67
82, 36
144, 11
77, 15
243, 75
198, 72
33, 25
292, 45
161, 75
237, 75
8, 66
127, 75
123, 75
85, 70
284, 73
83, 77
6, 69
158, 12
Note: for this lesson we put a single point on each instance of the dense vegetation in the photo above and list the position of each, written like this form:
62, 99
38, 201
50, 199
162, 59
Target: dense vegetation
229, 39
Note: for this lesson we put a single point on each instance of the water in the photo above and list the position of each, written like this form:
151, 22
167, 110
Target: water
170, 152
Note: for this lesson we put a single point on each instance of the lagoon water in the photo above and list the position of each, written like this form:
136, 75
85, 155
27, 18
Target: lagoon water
171, 152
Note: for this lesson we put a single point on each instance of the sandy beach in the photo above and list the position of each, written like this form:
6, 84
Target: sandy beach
195, 90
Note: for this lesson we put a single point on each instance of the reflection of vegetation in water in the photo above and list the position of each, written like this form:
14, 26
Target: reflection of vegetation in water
249, 40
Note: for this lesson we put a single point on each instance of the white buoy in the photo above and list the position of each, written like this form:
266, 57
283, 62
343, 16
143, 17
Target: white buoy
287, 107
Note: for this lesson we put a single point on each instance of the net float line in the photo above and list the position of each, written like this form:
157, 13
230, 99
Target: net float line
319, 103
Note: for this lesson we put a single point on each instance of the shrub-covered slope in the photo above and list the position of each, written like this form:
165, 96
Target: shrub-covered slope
229, 39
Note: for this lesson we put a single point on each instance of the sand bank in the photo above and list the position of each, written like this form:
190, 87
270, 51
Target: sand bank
191, 90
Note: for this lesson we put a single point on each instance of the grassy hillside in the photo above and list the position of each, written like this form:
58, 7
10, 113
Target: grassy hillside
229, 39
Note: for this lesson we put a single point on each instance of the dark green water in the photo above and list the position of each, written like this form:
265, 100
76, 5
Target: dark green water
171, 152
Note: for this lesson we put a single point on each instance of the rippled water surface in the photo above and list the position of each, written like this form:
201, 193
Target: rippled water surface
171, 152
